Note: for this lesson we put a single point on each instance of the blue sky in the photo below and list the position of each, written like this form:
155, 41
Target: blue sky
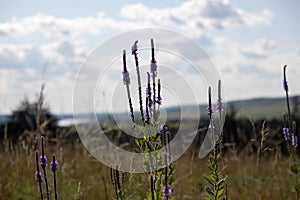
249, 42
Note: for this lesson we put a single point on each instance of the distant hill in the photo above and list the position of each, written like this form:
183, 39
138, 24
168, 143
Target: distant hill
266, 108
257, 108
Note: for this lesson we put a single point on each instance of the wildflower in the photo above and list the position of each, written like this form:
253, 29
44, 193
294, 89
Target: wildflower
163, 128
125, 73
295, 141
53, 166
153, 68
286, 133
209, 107
134, 48
43, 161
209, 110
149, 144
126, 78
147, 117
150, 103
158, 100
148, 91
38, 177
167, 192
220, 105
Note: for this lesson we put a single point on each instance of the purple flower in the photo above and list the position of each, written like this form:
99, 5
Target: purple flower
163, 128
153, 67
220, 105
53, 166
149, 144
294, 141
150, 103
134, 48
126, 78
38, 177
209, 110
167, 192
285, 85
147, 117
158, 100
148, 91
209, 107
43, 161
286, 133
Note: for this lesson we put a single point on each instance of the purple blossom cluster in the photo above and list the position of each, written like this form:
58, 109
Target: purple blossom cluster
126, 77
293, 138
43, 161
220, 105
53, 166
294, 141
134, 48
148, 91
38, 177
147, 117
167, 192
153, 67
159, 100
209, 110
150, 103
163, 128
286, 133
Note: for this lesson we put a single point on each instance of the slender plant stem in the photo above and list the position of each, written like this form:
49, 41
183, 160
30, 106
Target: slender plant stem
166, 162
54, 178
139, 84
287, 94
130, 103
38, 171
44, 169
152, 187
127, 88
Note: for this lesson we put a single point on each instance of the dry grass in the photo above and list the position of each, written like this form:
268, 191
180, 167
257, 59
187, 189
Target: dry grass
82, 177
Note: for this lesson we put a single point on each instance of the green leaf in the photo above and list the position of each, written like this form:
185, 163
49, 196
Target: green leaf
213, 177
222, 180
220, 192
208, 180
209, 191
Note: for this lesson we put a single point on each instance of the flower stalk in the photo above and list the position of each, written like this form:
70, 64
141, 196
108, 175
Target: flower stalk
38, 174
134, 53
43, 162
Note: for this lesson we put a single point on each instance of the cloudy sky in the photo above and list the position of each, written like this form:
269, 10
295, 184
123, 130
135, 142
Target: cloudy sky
249, 42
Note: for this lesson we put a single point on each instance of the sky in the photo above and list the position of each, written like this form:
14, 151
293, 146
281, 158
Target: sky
48, 41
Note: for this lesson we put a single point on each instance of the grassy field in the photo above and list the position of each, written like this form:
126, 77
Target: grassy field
82, 177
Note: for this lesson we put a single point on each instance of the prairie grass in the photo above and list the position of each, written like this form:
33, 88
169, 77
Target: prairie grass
80, 176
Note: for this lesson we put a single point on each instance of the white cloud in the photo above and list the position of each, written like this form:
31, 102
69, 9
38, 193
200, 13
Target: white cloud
197, 15
190, 16
260, 49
